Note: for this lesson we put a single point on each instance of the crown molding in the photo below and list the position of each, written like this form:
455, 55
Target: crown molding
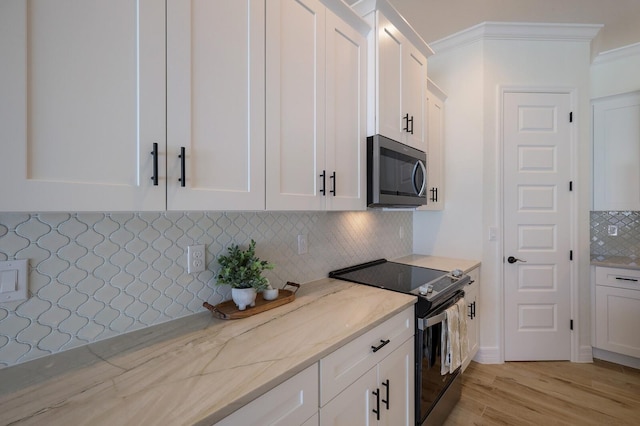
517, 31
618, 53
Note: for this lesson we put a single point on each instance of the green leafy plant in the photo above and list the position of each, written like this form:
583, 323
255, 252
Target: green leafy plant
242, 269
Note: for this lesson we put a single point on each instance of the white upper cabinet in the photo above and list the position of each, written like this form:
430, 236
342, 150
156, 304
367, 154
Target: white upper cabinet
398, 76
82, 101
316, 100
616, 152
435, 147
215, 101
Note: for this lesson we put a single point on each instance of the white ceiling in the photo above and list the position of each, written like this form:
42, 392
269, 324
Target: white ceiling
436, 19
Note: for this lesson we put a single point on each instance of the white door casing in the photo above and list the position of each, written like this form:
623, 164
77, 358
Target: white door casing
537, 225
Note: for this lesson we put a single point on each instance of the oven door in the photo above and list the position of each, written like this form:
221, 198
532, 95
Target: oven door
436, 394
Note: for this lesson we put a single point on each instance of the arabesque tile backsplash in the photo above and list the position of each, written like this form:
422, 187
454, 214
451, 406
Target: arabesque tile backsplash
97, 275
627, 241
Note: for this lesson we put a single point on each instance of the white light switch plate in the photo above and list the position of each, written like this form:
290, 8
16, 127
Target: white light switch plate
13, 280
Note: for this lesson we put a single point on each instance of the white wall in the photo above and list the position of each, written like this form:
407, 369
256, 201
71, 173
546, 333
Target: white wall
472, 76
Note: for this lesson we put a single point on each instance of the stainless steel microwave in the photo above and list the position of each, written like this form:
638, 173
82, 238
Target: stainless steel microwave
396, 174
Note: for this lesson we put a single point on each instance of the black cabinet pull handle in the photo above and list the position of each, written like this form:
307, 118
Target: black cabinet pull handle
470, 314
408, 120
627, 279
323, 175
386, 384
382, 344
473, 310
434, 194
182, 157
154, 154
377, 410
333, 178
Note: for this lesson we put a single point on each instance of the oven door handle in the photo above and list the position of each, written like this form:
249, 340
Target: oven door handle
424, 323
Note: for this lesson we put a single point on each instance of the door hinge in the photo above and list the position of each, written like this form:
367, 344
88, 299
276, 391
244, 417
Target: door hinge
571, 117
570, 186
571, 324
570, 254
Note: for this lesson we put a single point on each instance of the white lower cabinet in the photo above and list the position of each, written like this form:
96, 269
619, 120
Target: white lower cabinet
473, 324
294, 402
618, 311
361, 387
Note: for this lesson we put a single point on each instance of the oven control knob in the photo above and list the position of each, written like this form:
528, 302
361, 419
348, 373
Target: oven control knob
456, 273
426, 290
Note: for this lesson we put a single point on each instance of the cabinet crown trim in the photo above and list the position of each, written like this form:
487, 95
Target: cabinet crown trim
365, 7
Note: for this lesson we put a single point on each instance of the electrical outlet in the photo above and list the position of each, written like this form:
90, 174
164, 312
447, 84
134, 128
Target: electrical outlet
612, 230
303, 246
196, 260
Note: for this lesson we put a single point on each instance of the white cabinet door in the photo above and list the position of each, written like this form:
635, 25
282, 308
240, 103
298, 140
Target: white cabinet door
401, 86
384, 395
618, 310
82, 101
388, 56
396, 380
414, 96
435, 148
215, 92
293, 402
616, 152
355, 405
473, 322
295, 64
346, 98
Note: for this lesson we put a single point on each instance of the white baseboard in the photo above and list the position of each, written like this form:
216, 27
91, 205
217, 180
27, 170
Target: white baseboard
585, 354
625, 360
488, 355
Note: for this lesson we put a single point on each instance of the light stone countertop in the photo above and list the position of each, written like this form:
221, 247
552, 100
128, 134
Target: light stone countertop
616, 262
194, 370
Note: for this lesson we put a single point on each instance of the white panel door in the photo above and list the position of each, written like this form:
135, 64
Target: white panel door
537, 207
82, 101
215, 90
295, 94
346, 99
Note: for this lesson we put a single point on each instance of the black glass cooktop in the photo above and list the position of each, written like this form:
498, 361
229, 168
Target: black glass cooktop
393, 276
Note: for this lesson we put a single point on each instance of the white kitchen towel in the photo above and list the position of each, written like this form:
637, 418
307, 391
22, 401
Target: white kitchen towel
462, 319
454, 345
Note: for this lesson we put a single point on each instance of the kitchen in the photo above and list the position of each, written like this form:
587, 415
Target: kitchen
86, 250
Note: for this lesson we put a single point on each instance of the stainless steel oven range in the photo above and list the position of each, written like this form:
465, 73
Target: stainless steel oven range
437, 290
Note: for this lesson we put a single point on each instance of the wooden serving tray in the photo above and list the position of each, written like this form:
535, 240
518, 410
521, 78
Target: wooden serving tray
229, 310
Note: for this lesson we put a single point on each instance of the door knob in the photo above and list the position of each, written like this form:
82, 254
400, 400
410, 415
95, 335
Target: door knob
512, 259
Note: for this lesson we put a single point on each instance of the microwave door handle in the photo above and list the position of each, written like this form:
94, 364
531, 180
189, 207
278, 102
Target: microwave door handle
423, 188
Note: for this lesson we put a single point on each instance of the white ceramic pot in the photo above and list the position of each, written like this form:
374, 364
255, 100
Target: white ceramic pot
270, 294
243, 297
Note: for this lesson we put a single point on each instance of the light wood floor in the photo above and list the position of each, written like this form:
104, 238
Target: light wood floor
548, 393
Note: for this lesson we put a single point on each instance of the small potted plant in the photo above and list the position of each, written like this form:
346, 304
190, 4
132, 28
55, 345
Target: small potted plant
242, 270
